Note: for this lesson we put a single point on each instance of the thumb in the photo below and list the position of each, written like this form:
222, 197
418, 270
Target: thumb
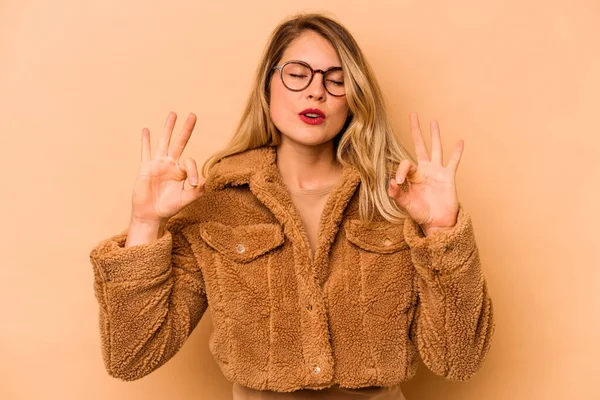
193, 193
397, 194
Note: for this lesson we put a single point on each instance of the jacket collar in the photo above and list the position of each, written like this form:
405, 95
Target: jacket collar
258, 169
241, 168
238, 169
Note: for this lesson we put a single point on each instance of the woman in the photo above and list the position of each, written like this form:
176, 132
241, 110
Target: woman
329, 257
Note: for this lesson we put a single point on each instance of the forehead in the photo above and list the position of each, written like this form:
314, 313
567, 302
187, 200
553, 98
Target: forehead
314, 49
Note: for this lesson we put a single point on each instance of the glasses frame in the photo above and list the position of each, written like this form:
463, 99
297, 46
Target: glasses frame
312, 75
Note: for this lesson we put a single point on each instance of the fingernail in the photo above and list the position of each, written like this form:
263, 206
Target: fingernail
193, 181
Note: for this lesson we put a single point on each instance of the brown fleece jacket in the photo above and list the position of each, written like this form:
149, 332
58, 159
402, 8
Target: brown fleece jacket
357, 314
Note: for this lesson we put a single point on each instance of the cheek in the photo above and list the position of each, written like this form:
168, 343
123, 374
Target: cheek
341, 111
280, 104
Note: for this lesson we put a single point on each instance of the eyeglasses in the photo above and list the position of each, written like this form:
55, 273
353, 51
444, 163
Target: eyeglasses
297, 75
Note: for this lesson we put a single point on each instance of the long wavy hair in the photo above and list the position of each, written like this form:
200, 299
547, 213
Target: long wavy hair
367, 140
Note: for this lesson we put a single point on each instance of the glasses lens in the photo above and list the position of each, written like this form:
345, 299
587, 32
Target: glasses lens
295, 76
334, 82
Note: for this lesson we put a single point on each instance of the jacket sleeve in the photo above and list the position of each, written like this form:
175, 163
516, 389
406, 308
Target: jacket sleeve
454, 319
150, 296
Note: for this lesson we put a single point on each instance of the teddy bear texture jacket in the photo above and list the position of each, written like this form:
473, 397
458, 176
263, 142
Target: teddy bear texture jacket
358, 313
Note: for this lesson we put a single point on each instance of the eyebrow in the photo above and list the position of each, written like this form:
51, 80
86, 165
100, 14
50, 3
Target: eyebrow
295, 59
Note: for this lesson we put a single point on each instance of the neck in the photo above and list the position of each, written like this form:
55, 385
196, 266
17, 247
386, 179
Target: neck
308, 167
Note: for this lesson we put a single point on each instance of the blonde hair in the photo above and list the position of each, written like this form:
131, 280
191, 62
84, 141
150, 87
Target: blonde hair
367, 141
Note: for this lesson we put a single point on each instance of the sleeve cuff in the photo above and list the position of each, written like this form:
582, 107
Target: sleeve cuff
113, 262
442, 250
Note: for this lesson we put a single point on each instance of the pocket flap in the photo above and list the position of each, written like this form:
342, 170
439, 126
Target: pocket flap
242, 243
381, 237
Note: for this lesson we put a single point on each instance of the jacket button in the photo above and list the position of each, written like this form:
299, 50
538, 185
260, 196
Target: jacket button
387, 241
240, 248
316, 369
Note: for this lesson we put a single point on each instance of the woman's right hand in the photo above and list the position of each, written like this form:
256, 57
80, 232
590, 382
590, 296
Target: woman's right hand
159, 192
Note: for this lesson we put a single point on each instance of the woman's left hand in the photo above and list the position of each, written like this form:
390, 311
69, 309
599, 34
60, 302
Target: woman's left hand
431, 199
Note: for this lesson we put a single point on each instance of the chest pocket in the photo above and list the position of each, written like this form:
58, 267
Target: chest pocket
384, 279
243, 243
379, 263
382, 237
242, 263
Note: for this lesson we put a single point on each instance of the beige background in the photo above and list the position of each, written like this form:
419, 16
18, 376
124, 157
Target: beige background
517, 80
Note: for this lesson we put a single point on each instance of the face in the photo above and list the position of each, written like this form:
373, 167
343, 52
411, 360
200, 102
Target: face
287, 106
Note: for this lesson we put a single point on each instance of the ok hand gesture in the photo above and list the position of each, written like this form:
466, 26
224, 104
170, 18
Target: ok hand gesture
160, 191
431, 199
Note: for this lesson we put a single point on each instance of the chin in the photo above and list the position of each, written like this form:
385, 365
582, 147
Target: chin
308, 139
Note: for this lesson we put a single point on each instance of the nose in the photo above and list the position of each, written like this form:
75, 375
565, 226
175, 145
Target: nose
316, 89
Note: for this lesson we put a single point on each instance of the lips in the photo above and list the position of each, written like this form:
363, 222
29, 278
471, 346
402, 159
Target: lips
312, 116
312, 112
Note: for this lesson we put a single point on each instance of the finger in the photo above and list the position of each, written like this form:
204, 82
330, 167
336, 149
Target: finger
396, 193
436, 144
393, 188
197, 183
402, 171
193, 193
177, 149
415, 129
165, 139
146, 155
191, 171
456, 155
406, 169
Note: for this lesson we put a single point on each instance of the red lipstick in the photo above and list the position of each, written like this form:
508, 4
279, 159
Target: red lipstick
312, 116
